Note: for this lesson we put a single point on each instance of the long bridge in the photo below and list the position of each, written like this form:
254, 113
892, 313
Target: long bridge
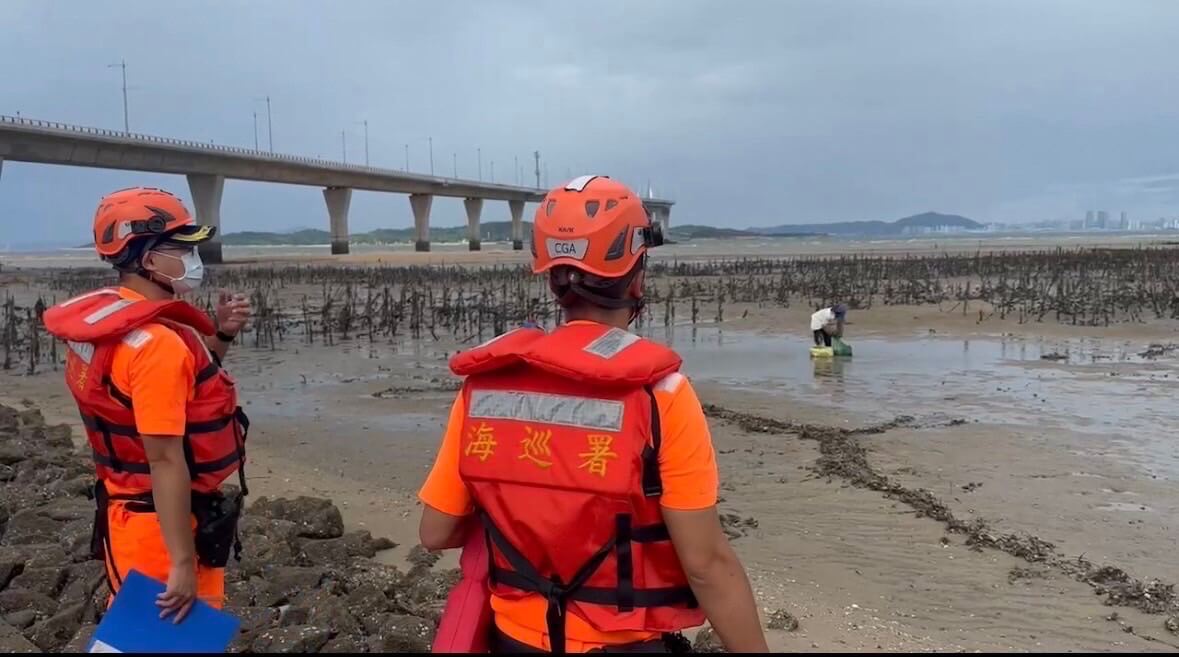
208, 166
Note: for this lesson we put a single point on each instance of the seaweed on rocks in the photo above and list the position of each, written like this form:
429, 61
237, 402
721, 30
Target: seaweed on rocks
842, 455
735, 526
1021, 573
707, 641
1155, 351
304, 584
782, 620
324, 593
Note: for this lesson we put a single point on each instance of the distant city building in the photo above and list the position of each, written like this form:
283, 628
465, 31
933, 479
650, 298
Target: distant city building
927, 230
1090, 220
1125, 225
1162, 223
1102, 219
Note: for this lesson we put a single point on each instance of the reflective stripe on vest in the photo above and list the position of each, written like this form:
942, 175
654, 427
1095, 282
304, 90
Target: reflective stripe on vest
612, 343
107, 310
84, 350
565, 410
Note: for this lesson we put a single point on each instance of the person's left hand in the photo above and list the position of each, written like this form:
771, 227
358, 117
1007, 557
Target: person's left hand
233, 312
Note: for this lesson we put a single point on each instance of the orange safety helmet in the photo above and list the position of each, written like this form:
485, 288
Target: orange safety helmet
138, 213
593, 224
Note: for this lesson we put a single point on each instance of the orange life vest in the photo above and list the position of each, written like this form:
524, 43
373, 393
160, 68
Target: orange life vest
215, 426
560, 451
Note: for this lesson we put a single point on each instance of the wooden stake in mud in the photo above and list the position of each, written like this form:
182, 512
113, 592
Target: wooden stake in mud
308, 328
34, 341
10, 328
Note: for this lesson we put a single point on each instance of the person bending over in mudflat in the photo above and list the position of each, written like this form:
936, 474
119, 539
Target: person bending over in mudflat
585, 457
827, 323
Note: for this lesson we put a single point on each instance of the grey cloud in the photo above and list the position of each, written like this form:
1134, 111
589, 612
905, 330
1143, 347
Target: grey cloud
747, 113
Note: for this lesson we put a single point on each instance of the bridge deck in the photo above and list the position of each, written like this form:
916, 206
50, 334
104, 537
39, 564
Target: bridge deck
30, 140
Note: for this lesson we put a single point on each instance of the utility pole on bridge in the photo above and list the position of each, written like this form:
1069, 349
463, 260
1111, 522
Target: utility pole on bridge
126, 121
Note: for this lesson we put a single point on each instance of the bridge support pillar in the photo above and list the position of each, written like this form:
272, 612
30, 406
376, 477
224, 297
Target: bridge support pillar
474, 209
517, 208
421, 219
206, 201
338, 199
662, 216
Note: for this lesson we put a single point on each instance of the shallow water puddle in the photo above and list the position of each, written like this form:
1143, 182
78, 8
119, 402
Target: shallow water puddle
1090, 386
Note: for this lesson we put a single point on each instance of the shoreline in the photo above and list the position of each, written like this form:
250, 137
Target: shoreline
457, 253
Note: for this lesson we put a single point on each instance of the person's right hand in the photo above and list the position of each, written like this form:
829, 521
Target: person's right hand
181, 592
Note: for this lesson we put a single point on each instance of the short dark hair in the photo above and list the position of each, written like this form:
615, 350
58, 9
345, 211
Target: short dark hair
130, 259
574, 287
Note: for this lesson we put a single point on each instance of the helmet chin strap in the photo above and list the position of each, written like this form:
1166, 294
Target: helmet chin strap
598, 299
167, 287
636, 309
634, 305
144, 272
574, 287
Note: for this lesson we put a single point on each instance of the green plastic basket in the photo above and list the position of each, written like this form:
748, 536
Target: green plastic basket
841, 348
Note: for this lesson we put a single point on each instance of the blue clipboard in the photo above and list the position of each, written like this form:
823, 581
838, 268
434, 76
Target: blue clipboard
133, 623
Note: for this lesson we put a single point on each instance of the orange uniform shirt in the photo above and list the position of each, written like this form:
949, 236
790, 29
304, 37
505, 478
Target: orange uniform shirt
153, 367
687, 464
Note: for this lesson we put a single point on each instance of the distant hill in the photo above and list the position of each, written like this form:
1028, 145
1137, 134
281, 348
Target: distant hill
263, 238
693, 231
938, 220
916, 224
501, 231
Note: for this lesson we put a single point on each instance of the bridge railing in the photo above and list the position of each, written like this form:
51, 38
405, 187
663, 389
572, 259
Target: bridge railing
249, 152
220, 148
186, 143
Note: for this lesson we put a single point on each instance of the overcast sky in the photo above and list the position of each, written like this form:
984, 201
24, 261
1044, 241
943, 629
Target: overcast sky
746, 113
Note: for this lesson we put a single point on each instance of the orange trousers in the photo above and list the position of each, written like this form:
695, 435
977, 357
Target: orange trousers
136, 542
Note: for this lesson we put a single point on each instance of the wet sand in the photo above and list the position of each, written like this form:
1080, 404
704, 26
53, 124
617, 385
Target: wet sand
1076, 452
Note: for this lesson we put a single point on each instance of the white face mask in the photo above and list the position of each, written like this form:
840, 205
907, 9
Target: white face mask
194, 272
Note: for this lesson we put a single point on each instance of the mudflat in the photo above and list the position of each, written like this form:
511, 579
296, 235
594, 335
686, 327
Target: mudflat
967, 481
